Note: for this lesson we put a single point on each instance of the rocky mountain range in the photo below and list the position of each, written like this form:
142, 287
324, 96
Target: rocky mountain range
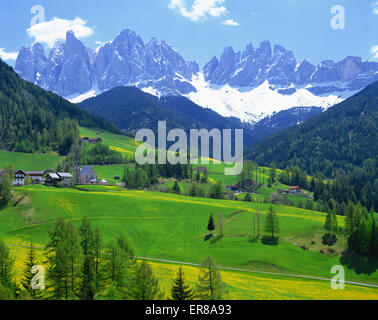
72, 69
249, 85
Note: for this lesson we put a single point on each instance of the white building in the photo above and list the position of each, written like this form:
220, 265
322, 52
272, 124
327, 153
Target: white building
19, 178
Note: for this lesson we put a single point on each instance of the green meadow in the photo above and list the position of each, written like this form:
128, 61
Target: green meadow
167, 226
174, 227
123, 144
29, 161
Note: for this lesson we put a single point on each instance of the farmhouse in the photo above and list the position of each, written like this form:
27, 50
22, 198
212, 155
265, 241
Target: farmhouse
52, 179
66, 179
86, 175
19, 178
295, 189
36, 177
91, 140
94, 140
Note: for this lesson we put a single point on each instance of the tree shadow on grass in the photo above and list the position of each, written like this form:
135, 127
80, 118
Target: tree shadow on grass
359, 263
207, 237
215, 239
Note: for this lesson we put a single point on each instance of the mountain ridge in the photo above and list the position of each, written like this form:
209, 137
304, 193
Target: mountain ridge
237, 79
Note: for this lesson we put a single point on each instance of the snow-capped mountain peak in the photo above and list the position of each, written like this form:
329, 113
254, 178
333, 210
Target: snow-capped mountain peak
249, 84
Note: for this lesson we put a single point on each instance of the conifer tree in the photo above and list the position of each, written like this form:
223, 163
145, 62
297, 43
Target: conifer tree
145, 286
180, 290
271, 222
210, 225
6, 266
210, 285
87, 286
28, 275
374, 238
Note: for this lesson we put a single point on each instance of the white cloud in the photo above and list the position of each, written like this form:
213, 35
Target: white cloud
375, 7
374, 51
8, 55
50, 31
230, 22
199, 9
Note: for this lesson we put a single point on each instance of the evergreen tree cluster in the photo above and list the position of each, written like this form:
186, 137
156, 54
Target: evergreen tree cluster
100, 154
32, 119
146, 175
360, 185
81, 267
361, 230
341, 143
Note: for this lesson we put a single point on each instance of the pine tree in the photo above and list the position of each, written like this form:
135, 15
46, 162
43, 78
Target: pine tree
364, 237
349, 219
112, 293
217, 191
118, 266
180, 290
210, 285
374, 238
97, 249
6, 266
210, 225
328, 222
271, 222
27, 273
145, 286
64, 260
87, 286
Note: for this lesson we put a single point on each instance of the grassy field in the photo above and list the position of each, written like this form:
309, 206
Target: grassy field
173, 227
29, 161
239, 285
123, 144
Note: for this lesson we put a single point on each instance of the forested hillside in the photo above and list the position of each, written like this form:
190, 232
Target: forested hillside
333, 142
131, 109
32, 119
340, 143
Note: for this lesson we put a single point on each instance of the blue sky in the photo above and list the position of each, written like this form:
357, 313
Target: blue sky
200, 29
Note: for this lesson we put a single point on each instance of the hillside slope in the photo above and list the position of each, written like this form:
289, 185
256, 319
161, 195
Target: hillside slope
335, 141
32, 119
131, 109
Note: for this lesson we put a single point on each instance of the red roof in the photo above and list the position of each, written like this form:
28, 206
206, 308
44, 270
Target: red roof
296, 187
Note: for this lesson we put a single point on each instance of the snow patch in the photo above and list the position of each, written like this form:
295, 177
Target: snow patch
253, 104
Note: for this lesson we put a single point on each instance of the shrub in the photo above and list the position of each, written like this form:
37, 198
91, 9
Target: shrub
329, 239
269, 240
